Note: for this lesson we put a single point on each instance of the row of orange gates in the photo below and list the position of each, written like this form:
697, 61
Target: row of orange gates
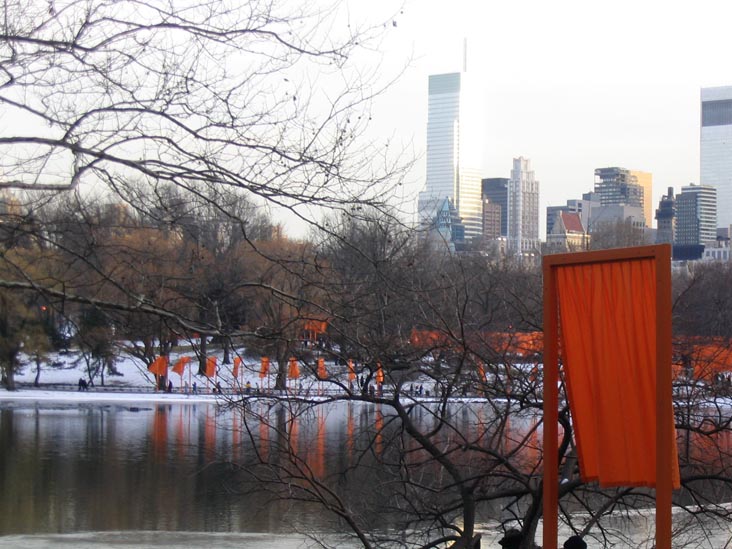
160, 367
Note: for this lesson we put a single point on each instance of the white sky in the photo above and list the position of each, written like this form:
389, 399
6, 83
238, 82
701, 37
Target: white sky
572, 85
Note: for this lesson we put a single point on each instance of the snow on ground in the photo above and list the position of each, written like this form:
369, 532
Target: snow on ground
93, 396
64, 368
60, 374
135, 382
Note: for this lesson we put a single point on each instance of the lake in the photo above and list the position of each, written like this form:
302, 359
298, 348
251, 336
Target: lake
166, 475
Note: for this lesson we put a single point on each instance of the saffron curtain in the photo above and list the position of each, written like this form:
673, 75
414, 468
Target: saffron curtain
211, 367
379, 373
237, 365
181, 364
322, 372
159, 366
607, 319
264, 367
294, 370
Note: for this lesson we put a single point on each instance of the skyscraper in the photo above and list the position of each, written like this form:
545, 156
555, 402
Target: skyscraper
620, 187
523, 208
716, 147
491, 220
495, 189
696, 215
454, 147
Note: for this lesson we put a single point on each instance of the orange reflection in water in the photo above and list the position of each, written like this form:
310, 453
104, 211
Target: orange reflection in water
379, 427
317, 463
350, 434
264, 437
209, 435
180, 435
160, 433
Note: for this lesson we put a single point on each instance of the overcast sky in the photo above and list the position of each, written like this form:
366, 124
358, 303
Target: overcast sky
572, 85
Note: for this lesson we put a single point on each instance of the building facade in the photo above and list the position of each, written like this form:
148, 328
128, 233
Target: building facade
619, 187
491, 220
567, 234
645, 180
715, 151
666, 218
580, 207
523, 209
454, 148
495, 189
696, 216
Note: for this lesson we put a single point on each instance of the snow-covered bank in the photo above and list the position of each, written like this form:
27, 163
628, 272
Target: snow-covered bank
31, 395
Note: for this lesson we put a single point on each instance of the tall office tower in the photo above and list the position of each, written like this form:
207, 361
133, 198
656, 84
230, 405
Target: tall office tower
454, 147
716, 147
523, 208
666, 218
696, 215
495, 189
645, 180
619, 187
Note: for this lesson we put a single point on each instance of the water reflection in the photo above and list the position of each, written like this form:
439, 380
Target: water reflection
170, 467
116, 468
178, 467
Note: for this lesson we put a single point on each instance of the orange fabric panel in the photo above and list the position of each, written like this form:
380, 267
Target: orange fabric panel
608, 342
351, 370
159, 366
316, 326
379, 373
322, 372
237, 365
180, 365
264, 367
211, 367
294, 369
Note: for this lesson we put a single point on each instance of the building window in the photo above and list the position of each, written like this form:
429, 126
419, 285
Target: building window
717, 113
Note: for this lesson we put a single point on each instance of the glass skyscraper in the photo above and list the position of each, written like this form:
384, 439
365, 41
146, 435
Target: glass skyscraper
454, 147
716, 148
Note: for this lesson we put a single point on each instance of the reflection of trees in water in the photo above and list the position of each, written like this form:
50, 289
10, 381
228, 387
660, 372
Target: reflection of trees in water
387, 481
159, 468
369, 454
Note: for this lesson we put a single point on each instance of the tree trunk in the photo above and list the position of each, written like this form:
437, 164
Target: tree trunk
8, 379
281, 379
227, 350
202, 357
37, 380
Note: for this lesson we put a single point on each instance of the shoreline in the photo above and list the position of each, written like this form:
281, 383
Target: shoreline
101, 396
41, 395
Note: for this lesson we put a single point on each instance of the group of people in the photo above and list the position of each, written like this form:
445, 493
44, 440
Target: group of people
512, 540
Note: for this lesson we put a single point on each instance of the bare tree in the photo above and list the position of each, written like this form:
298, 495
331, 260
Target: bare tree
264, 99
452, 434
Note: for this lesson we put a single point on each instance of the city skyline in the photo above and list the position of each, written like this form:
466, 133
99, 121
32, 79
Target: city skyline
564, 97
